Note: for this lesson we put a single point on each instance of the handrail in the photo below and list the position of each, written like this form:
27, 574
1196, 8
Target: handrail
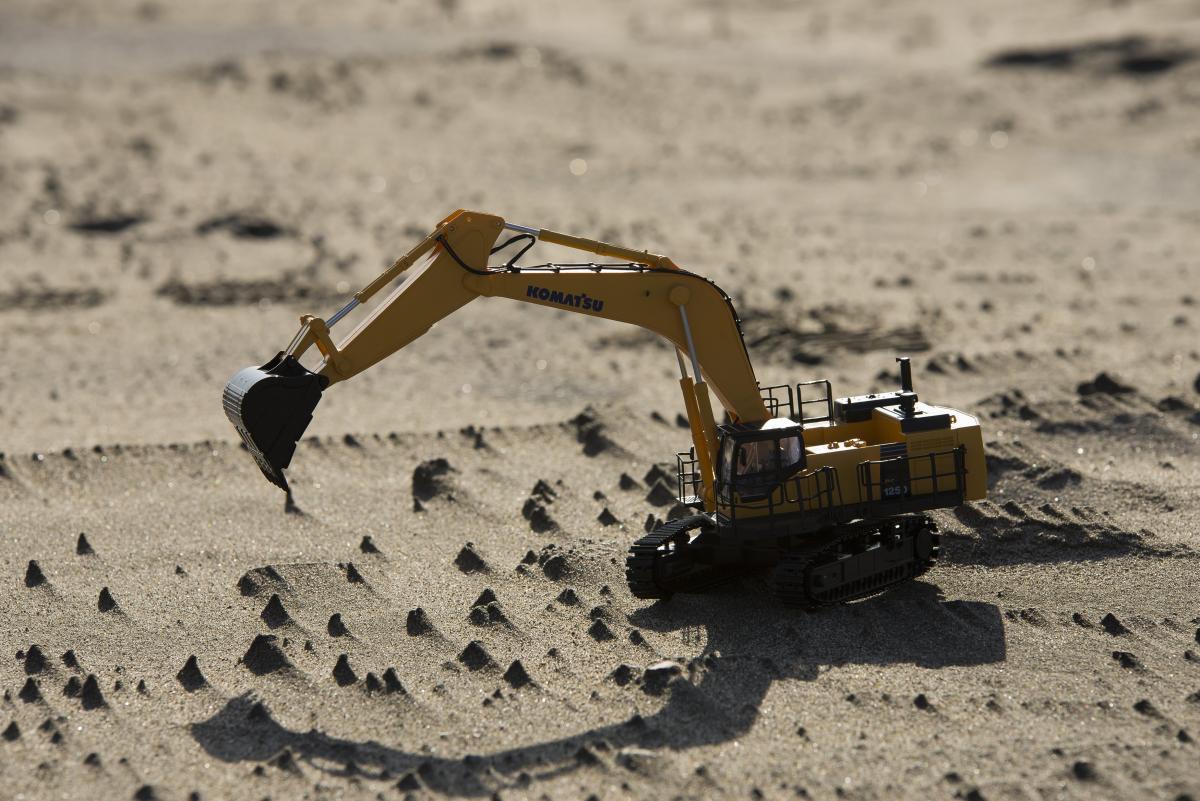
958, 472
775, 404
826, 493
687, 476
827, 400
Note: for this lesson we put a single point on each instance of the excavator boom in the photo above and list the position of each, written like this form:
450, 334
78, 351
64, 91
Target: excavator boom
272, 405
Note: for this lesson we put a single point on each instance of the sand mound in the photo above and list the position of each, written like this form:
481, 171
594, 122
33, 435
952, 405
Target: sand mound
265, 656
468, 560
476, 657
106, 602
418, 623
190, 677
34, 577
343, 674
592, 432
273, 614
431, 479
336, 627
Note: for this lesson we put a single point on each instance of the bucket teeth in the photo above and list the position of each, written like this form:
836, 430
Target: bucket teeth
271, 406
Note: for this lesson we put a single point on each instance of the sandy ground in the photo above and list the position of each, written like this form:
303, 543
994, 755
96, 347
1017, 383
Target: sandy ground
1006, 192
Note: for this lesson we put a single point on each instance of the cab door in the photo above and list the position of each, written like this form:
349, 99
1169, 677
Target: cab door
754, 470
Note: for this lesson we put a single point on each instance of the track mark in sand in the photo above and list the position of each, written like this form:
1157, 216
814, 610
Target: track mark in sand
1030, 615
829, 328
1127, 55
234, 292
1031, 474
392, 683
957, 362
1102, 405
1013, 533
101, 225
600, 632
244, 226
46, 299
1007, 458
552, 62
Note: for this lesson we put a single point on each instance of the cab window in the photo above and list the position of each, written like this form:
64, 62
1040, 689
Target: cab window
783, 455
756, 467
791, 454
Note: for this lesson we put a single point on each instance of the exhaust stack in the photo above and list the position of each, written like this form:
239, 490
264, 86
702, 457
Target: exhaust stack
271, 406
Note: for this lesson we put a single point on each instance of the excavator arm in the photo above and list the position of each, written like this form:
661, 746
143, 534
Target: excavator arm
272, 405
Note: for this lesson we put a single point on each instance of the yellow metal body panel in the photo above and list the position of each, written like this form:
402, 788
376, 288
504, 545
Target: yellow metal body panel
845, 446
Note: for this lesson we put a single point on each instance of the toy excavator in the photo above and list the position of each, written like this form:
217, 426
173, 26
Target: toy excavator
828, 493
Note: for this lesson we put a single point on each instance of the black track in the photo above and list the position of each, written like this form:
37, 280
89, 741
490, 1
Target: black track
658, 564
857, 561
842, 564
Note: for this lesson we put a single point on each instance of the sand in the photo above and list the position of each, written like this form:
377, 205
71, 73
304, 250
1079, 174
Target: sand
1006, 193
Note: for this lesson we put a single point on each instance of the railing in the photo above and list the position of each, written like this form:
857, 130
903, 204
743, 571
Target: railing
826, 400
778, 400
824, 491
690, 482
817, 492
902, 477
781, 402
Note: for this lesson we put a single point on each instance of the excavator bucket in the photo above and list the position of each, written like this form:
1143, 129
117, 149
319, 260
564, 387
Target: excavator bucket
270, 406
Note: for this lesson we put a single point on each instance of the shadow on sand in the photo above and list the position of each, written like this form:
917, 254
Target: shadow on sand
745, 643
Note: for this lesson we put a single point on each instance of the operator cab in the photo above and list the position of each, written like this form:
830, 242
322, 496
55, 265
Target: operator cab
754, 460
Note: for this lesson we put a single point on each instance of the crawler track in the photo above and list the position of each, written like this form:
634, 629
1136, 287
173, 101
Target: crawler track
858, 561
658, 564
845, 564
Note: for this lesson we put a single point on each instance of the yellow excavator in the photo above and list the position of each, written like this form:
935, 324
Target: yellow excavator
828, 493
